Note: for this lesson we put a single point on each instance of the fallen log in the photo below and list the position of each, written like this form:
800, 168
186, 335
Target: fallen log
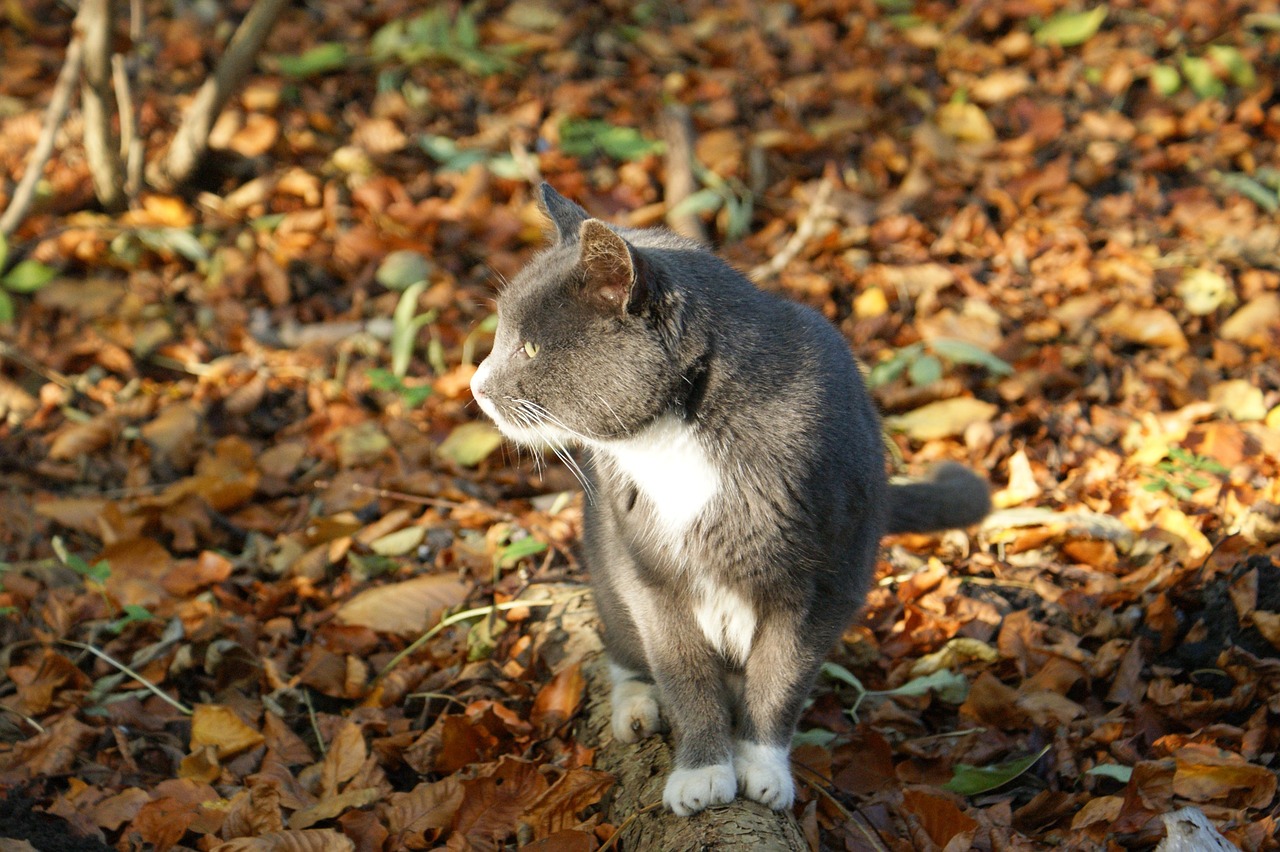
641, 769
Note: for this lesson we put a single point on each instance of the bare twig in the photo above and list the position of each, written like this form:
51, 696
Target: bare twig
95, 19
192, 139
626, 823
679, 182
57, 110
817, 213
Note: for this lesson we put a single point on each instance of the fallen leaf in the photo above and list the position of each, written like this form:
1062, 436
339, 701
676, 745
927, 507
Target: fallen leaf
309, 840
407, 608
942, 419
1146, 327
219, 726
558, 701
470, 443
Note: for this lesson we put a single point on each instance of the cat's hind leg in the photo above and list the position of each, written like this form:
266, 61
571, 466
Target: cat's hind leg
634, 699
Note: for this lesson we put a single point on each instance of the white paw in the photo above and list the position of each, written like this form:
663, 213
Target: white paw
635, 711
764, 774
690, 790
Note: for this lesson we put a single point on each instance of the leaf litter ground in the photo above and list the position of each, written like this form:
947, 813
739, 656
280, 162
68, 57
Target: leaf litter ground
238, 547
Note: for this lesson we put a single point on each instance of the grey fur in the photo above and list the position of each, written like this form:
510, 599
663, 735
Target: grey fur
633, 330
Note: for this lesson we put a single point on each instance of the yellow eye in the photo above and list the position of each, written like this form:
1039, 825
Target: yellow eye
530, 348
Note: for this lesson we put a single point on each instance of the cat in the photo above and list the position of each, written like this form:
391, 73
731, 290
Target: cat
735, 487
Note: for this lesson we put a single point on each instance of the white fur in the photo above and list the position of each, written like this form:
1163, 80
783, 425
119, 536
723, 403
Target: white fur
690, 790
727, 620
764, 774
672, 469
635, 706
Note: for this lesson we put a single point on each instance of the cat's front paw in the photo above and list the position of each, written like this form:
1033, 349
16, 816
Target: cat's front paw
691, 790
764, 774
635, 711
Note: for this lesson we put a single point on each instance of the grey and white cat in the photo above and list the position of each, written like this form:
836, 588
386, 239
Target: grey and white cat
735, 479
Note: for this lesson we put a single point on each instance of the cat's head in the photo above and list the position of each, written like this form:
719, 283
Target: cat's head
585, 346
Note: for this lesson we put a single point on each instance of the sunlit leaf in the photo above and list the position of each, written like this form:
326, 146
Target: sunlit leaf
964, 352
1165, 79
407, 607
28, 276
1202, 77
321, 59
925, 370
470, 443
401, 269
1068, 29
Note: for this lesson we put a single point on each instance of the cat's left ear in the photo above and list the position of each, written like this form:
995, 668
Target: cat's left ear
614, 272
563, 213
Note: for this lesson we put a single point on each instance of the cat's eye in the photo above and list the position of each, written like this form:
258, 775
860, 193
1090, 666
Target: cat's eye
530, 349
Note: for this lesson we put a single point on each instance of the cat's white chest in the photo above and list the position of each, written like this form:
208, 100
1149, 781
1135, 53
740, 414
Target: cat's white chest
671, 468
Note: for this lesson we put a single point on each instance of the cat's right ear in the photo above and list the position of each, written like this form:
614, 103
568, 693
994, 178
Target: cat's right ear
564, 214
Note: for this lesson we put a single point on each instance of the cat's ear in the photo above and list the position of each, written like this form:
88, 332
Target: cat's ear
614, 272
564, 214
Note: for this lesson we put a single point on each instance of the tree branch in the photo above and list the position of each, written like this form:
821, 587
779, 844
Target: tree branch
56, 111
192, 139
101, 148
679, 182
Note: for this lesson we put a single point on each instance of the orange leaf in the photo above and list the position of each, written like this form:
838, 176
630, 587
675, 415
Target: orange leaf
430, 805
213, 724
559, 700
1206, 774
941, 819
81, 439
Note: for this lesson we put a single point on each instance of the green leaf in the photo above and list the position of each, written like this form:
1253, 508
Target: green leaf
1202, 77
470, 443
820, 737
951, 687
519, 549
925, 370
963, 352
28, 276
320, 59
177, 241
585, 137
1239, 68
1250, 189
1112, 770
100, 571
1165, 79
835, 671
1068, 29
6, 308
702, 201
972, 780
4, 250
401, 269
132, 613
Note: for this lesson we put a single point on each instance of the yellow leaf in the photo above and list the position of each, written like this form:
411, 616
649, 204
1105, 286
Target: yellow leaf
470, 443
216, 725
943, 418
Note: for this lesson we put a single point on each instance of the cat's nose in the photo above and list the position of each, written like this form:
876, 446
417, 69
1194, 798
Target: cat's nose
477, 383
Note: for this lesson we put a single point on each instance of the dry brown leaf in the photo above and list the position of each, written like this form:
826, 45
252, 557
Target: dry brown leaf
309, 840
407, 608
427, 807
558, 701
54, 752
939, 816
558, 809
1250, 323
343, 759
1207, 774
331, 806
216, 725
81, 439
253, 812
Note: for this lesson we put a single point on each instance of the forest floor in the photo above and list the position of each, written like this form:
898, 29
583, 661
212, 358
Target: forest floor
1049, 230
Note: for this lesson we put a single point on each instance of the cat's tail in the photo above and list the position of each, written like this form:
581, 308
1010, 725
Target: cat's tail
950, 496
